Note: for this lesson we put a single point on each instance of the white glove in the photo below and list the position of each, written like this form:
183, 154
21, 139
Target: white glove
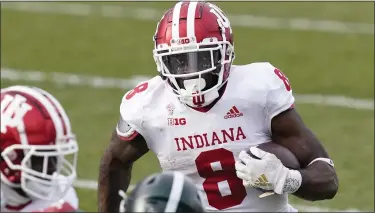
268, 173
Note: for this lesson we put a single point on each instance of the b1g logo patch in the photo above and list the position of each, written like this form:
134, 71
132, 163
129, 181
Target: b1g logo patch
176, 121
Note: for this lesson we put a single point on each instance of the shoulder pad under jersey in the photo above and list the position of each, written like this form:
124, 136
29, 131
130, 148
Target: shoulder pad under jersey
270, 84
257, 75
262, 77
135, 103
279, 92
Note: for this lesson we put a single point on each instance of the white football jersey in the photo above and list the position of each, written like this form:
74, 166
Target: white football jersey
68, 202
205, 145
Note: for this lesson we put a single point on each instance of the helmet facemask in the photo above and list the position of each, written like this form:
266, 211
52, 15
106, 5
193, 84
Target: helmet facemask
195, 72
47, 171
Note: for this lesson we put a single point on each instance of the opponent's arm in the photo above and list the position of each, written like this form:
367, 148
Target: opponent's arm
115, 169
319, 179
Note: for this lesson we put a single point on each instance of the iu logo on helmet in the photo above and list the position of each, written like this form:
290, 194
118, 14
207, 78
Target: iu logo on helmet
198, 100
13, 109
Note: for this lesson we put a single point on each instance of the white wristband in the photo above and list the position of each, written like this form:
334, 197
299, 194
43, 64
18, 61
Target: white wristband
327, 160
292, 182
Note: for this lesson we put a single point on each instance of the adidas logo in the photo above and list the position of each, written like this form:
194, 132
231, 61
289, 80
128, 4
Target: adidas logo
262, 181
233, 113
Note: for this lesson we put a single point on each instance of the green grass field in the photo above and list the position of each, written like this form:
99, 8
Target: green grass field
315, 62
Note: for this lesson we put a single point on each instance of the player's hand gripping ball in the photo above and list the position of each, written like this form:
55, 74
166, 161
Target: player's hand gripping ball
266, 167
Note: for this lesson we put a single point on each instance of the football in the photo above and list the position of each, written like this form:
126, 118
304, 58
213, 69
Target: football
284, 154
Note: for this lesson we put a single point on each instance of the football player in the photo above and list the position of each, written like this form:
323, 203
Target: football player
38, 153
202, 114
163, 192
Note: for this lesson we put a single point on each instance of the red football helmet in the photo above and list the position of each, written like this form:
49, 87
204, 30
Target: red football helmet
38, 148
194, 51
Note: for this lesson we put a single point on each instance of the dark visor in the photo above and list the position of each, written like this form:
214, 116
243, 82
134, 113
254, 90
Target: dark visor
186, 63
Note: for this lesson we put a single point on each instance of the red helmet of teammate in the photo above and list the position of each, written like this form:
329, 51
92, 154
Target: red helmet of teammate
38, 148
194, 51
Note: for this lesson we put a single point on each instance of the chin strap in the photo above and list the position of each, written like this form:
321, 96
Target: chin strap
10, 197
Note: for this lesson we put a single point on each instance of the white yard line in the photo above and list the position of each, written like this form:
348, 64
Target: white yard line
93, 185
152, 14
335, 100
111, 82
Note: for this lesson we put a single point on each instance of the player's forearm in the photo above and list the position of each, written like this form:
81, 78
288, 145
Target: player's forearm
319, 182
113, 176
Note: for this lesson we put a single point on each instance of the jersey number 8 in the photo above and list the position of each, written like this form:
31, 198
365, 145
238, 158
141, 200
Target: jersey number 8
283, 78
140, 88
222, 186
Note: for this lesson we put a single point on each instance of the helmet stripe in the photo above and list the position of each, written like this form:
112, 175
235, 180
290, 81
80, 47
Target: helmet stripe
59, 108
176, 21
176, 192
191, 19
